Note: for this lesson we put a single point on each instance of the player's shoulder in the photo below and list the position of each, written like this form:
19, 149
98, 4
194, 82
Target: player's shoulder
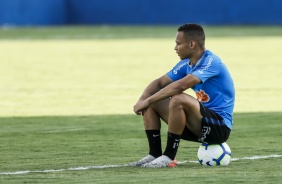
208, 55
210, 58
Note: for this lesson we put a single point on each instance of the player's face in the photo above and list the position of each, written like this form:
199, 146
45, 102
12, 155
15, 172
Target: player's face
182, 46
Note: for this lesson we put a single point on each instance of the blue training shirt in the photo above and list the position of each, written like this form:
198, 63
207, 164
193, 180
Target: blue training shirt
216, 90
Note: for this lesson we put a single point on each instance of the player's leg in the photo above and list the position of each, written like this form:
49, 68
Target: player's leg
154, 113
184, 112
152, 124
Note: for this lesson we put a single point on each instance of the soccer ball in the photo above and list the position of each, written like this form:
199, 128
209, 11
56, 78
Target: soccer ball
214, 154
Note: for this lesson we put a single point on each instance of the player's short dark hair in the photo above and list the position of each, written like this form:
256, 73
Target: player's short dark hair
193, 32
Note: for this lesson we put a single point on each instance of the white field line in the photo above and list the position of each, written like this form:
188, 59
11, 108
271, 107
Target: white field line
123, 165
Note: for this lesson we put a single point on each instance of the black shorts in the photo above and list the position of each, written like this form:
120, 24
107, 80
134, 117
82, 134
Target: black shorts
213, 129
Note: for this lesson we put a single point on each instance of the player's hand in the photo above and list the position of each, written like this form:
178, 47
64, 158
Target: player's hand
140, 107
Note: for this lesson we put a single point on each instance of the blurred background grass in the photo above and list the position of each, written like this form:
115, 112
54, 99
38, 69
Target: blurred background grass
103, 69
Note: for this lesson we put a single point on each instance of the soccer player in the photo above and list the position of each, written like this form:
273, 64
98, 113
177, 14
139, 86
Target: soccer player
207, 119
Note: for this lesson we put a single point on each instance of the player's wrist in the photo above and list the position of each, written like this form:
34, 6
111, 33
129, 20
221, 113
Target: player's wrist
150, 100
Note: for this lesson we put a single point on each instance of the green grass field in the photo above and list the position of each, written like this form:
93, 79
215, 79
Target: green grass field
67, 95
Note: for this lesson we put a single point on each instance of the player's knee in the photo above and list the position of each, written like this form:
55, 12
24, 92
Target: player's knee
181, 100
176, 100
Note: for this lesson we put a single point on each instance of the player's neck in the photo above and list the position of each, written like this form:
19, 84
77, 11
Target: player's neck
197, 56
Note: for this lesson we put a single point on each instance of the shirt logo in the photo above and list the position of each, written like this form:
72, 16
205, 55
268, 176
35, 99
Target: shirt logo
179, 67
206, 67
202, 96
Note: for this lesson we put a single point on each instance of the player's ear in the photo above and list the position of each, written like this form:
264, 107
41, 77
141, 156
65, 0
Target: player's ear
192, 44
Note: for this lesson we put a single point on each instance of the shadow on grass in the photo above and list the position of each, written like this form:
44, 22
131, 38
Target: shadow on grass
54, 142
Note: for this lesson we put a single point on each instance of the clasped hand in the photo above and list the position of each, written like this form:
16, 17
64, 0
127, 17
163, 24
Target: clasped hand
140, 107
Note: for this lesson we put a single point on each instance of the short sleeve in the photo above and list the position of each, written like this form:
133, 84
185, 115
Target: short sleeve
179, 71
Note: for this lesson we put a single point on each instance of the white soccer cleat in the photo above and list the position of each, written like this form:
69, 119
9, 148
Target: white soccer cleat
162, 161
144, 160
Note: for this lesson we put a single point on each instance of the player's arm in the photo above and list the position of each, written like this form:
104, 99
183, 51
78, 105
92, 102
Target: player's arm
169, 90
155, 86
175, 88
